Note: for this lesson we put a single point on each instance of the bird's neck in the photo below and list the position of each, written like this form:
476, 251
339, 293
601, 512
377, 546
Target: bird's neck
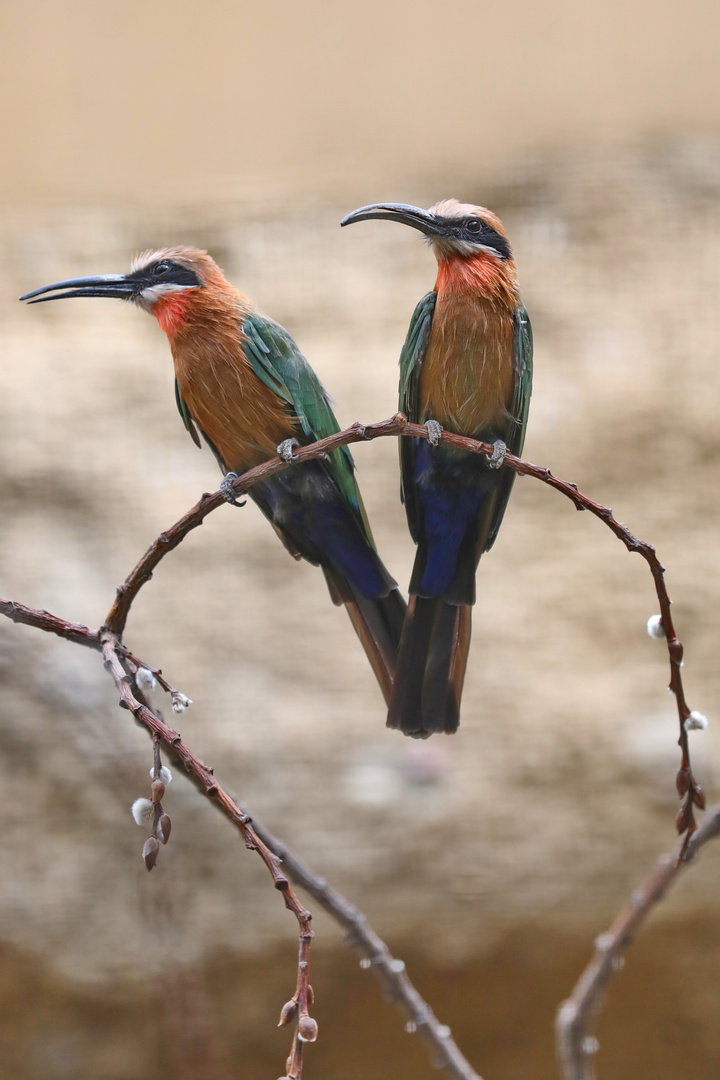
205, 313
171, 311
481, 276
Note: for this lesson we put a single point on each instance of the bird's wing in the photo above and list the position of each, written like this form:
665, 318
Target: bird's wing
190, 425
186, 417
277, 361
523, 366
411, 358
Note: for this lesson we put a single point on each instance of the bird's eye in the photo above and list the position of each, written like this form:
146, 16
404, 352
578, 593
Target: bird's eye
161, 268
473, 225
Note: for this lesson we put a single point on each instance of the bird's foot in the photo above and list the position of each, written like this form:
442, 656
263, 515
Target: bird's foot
285, 449
228, 491
434, 431
498, 455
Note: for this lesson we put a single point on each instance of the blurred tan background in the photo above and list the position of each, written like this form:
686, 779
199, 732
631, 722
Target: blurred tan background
489, 860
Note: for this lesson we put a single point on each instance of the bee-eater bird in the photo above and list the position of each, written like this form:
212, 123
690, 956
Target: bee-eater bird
242, 383
466, 366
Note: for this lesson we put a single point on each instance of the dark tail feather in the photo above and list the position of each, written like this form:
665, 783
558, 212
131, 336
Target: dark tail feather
431, 668
378, 623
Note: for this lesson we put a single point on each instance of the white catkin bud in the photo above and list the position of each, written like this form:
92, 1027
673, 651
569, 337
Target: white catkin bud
144, 679
165, 775
142, 811
590, 1045
696, 721
655, 627
180, 702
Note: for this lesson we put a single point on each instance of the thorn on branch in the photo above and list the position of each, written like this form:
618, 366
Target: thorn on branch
699, 796
676, 651
696, 721
682, 780
288, 1013
684, 817
307, 1029
145, 679
150, 852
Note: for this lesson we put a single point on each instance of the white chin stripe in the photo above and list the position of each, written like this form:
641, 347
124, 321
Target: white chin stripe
153, 293
448, 246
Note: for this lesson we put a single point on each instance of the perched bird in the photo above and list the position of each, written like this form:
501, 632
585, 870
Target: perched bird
242, 383
466, 366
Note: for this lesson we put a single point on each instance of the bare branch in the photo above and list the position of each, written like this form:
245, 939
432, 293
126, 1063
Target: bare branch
358, 932
159, 730
688, 788
574, 1014
43, 620
575, 1044
389, 970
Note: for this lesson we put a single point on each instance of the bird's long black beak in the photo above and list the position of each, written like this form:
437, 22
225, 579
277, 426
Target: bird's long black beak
414, 216
113, 285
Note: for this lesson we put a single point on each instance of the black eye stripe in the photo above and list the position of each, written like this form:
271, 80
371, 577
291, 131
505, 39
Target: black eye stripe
485, 235
173, 274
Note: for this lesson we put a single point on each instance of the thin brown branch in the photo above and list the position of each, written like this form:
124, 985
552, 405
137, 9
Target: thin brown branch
168, 540
359, 933
575, 1016
43, 620
158, 729
688, 788
140, 665
391, 971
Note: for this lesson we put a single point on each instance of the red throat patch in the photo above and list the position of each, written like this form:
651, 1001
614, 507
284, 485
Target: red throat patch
481, 273
171, 310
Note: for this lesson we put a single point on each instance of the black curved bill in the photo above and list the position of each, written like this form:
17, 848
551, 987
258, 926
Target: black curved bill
110, 285
414, 216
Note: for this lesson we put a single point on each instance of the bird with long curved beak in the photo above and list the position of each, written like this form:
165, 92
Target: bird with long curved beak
244, 386
466, 366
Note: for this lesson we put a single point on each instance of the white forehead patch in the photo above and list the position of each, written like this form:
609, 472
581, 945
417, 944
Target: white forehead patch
145, 259
451, 208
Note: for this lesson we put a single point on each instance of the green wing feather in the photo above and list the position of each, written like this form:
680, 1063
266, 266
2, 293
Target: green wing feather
523, 366
277, 361
411, 358
186, 417
523, 363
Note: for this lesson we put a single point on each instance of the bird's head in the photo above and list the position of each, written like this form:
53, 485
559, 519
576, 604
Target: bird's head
450, 227
169, 283
469, 242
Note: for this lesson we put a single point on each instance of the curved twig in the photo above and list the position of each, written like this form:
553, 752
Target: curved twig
359, 933
113, 655
574, 1014
52, 624
688, 788
572, 1025
390, 970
